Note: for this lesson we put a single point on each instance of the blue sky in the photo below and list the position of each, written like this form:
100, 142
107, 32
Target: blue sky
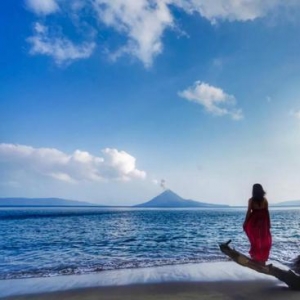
102, 100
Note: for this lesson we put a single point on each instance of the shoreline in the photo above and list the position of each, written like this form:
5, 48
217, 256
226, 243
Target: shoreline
259, 289
189, 273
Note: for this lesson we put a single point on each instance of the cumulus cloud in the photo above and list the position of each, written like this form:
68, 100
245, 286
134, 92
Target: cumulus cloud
58, 47
145, 21
142, 22
231, 10
73, 168
213, 99
42, 7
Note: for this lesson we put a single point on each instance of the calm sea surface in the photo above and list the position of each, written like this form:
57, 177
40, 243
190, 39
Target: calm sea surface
38, 242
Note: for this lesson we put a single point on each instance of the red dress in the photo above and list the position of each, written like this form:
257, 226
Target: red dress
257, 229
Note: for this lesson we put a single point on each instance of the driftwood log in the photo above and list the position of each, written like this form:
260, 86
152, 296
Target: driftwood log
296, 264
288, 277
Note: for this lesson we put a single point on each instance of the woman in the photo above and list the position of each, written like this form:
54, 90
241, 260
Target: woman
257, 225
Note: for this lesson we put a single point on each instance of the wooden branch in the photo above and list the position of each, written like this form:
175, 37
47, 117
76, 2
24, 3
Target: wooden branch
296, 265
288, 277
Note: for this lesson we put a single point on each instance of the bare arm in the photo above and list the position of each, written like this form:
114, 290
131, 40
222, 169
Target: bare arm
249, 210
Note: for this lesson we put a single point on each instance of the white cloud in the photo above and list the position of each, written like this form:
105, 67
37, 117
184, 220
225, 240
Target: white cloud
214, 99
142, 21
231, 10
76, 167
120, 164
42, 7
58, 47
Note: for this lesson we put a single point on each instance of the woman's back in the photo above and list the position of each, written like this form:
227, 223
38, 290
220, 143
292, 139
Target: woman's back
256, 205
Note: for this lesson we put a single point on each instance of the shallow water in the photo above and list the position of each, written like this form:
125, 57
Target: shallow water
39, 242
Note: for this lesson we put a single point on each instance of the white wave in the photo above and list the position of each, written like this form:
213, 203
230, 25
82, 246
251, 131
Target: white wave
216, 271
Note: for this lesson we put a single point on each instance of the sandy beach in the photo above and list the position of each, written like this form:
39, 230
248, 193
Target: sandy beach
176, 290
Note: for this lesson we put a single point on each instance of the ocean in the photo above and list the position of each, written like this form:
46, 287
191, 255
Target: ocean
49, 242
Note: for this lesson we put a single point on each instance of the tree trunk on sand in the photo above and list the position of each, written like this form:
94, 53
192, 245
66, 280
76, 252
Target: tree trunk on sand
288, 277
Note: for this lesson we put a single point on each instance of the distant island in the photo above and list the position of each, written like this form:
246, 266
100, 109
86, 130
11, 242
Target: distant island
288, 203
41, 202
170, 199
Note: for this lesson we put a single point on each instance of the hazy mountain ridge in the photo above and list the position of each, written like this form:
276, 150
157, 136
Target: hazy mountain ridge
170, 199
19, 201
288, 203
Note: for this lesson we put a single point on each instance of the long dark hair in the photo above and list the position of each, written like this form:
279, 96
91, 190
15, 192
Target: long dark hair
258, 192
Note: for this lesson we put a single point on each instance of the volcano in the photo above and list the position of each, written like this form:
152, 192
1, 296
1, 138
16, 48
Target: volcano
170, 199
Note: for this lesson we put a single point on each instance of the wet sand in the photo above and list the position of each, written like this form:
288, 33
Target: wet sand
237, 290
